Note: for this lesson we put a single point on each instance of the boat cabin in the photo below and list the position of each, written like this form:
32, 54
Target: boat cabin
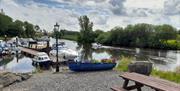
41, 57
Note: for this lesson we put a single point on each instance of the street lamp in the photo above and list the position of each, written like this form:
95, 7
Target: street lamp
17, 48
56, 29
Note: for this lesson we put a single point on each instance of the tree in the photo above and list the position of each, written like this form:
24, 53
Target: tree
86, 34
98, 32
29, 30
16, 28
5, 21
165, 32
20, 27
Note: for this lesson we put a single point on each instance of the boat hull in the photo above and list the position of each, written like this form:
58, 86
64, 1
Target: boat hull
42, 64
90, 66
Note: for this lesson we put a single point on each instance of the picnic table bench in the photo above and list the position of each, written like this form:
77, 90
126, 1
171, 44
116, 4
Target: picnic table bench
143, 80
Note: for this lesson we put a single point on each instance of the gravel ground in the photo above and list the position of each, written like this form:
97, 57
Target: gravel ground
70, 81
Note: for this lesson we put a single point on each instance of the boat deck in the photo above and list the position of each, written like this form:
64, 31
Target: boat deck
29, 51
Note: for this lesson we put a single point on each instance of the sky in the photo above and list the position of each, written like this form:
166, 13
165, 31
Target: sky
105, 14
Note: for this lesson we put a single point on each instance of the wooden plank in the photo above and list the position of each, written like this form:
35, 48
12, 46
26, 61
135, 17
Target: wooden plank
30, 51
118, 89
159, 84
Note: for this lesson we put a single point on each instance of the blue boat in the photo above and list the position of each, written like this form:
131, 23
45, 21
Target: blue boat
78, 66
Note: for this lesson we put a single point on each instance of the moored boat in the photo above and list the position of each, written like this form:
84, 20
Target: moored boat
64, 52
42, 59
79, 66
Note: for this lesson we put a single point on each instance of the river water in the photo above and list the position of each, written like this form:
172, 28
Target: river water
166, 60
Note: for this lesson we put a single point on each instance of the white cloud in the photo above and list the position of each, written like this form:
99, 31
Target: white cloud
105, 14
152, 4
44, 16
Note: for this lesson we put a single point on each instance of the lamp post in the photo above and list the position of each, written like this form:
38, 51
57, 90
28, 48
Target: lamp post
17, 48
56, 29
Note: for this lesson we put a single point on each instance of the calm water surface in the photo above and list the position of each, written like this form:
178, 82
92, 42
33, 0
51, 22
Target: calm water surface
162, 60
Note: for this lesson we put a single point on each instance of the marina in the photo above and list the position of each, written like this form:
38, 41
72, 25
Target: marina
89, 45
159, 59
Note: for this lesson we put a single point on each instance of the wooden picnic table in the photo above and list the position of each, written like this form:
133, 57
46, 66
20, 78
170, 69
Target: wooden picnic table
142, 80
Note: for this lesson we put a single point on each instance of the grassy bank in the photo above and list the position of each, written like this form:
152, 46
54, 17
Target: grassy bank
168, 75
70, 37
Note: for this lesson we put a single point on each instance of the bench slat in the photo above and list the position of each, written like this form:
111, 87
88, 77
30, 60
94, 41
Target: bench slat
152, 82
118, 89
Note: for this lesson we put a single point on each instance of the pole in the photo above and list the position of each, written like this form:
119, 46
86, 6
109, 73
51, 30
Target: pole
17, 49
57, 66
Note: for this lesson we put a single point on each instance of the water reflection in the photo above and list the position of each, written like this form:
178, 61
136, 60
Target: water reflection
166, 60
163, 60
85, 51
9, 63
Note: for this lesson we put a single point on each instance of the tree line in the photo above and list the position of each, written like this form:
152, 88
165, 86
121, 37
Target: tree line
139, 35
12, 28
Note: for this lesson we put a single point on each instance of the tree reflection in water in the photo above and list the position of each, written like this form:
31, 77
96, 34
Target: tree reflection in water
86, 52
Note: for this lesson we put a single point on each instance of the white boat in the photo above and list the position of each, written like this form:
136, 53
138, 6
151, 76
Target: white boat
1, 47
15, 49
96, 45
6, 51
64, 52
41, 57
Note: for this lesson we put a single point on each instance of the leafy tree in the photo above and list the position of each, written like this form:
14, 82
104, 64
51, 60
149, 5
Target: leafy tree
141, 35
29, 30
165, 32
98, 32
16, 28
5, 21
103, 38
86, 34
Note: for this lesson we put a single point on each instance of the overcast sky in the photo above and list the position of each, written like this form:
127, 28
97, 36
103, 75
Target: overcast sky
105, 14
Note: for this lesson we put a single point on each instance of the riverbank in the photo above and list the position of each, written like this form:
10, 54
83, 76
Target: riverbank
70, 81
167, 75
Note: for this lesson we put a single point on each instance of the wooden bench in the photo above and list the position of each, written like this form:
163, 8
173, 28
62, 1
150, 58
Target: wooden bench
142, 80
118, 89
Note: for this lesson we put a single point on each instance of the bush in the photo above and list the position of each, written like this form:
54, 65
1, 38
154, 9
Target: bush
171, 44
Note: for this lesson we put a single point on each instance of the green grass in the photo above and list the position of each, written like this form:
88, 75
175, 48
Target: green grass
168, 75
123, 63
70, 37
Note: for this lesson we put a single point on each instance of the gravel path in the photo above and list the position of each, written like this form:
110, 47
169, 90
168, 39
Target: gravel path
70, 81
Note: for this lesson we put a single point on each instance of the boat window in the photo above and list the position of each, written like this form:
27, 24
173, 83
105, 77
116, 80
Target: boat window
40, 58
45, 58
